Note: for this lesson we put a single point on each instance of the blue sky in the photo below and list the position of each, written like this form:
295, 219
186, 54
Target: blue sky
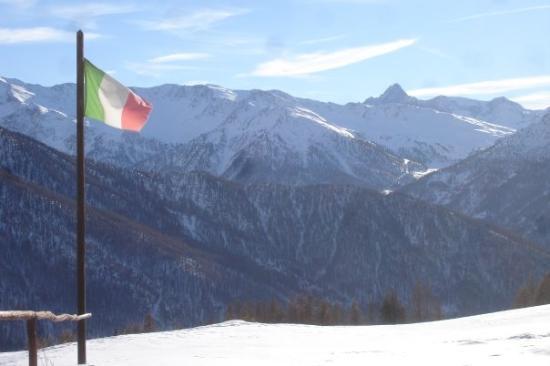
334, 50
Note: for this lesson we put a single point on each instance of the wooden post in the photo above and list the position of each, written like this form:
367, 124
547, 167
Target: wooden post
31, 317
80, 225
31, 341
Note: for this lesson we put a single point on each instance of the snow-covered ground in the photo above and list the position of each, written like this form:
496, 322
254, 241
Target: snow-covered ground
517, 337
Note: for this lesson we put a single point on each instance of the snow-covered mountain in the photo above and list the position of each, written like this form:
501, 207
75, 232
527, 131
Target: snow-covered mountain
436, 132
202, 108
184, 245
256, 137
269, 139
272, 136
504, 338
47, 114
499, 110
508, 184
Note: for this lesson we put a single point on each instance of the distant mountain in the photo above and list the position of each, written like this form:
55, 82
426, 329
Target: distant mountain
268, 139
508, 184
436, 132
499, 110
394, 94
183, 245
403, 134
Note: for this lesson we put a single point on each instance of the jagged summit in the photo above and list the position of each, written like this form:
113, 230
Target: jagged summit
393, 94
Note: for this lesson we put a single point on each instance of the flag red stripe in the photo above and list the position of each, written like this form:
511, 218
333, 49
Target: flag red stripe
135, 113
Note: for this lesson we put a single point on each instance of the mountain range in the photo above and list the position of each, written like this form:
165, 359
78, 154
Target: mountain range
258, 136
230, 195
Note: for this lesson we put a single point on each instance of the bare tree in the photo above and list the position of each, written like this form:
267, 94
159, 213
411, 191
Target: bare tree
526, 295
424, 305
356, 315
392, 311
149, 323
543, 291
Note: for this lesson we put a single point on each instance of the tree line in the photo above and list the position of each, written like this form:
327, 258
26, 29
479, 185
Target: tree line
306, 309
423, 305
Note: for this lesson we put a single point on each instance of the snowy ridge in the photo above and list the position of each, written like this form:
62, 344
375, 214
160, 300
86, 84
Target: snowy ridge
506, 338
507, 184
267, 139
531, 143
308, 114
486, 127
435, 133
418, 130
500, 110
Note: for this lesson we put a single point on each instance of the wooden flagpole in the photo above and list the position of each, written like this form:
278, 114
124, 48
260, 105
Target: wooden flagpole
80, 211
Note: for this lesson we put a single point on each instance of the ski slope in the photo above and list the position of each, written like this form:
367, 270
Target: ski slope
517, 337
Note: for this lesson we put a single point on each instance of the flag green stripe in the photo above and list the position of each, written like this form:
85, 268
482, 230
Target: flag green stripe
93, 77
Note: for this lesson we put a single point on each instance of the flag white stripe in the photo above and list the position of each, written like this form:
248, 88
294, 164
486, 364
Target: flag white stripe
113, 96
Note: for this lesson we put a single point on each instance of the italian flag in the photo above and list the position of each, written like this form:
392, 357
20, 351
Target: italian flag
109, 101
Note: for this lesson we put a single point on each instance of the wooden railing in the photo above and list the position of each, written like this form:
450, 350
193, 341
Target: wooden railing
31, 317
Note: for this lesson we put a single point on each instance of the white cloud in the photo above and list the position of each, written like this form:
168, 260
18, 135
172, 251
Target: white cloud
485, 87
38, 34
197, 21
310, 63
539, 100
184, 56
502, 12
